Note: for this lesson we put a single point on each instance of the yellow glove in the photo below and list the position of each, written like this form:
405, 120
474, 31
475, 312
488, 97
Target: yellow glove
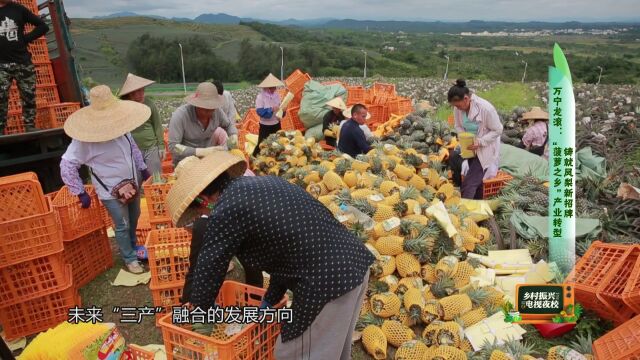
329, 133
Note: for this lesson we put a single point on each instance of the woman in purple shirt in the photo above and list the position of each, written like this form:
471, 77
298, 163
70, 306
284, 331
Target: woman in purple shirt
267, 105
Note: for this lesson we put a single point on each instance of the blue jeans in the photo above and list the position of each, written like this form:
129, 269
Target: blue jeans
125, 220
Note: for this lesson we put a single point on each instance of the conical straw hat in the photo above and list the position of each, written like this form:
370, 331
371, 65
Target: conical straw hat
107, 117
337, 103
133, 83
536, 113
270, 81
194, 175
206, 97
347, 113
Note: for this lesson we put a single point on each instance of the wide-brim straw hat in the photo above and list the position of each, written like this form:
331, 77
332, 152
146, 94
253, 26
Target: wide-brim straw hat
536, 113
337, 103
133, 83
107, 117
270, 82
206, 97
347, 113
193, 175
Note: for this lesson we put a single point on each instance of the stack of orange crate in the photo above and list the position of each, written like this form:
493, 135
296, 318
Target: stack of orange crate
86, 244
51, 113
167, 164
156, 196
295, 84
607, 281
168, 251
36, 285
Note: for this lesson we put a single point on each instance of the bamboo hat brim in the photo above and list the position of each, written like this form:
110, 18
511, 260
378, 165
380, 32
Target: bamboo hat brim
271, 81
536, 113
133, 83
337, 103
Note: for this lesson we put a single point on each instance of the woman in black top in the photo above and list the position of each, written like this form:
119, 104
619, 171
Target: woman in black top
332, 120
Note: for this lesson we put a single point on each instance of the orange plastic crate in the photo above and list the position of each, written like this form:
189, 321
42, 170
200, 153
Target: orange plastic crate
631, 294
74, 220
291, 120
32, 5
167, 167
31, 279
355, 94
251, 122
89, 256
143, 228
451, 120
135, 352
59, 113
400, 107
39, 314
39, 51
379, 115
379, 88
612, 289
592, 269
21, 195
168, 252
296, 81
156, 195
166, 297
45, 95
256, 341
621, 343
29, 238
493, 186
44, 74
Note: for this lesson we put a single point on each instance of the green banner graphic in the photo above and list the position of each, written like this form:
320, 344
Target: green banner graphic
561, 163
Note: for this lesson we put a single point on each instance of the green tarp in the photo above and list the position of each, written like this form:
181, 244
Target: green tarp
314, 98
534, 227
519, 162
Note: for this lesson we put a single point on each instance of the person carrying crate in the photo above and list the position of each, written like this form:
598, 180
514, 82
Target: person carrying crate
276, 227
15, 59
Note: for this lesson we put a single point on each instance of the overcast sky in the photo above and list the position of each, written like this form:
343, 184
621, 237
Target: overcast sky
447, 10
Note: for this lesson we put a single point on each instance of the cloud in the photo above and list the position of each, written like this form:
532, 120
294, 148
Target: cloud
513, 10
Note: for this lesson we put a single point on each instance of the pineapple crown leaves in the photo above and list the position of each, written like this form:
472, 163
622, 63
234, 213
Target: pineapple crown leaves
364, 206
409, 193
444, 287
368, 319
344, 197
343, 166
474, 262
517, 348
584, 344
406, 226
377, 287
478, 296
400, 208
419, 248
490, 346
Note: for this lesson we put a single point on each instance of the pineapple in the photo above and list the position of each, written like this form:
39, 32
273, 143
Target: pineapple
315, 190
421, 247
409, 283
360, 166
466, 346
414, 304
365, 308
462, 274
328, 166
430, 312
390, 245
584, 345
391, 281
335, 209
450, 334
350, 178
375, 342
385, 265
383, 212
379, 231
408, 265
430, 333
563, 353
396, 333
469, 242
389, 187
367, 319
470, 226
404, 318
443, 287
500, 355
377, 287
333, 181
412, 350
446, 266
392, 200
454, 200
455, 305
418, 182
404, 172
484, 235
474, 316
427, 294
373, 250
420, 219
447, 353
385, 305
362, 194
428, 273
364, 206
445, 191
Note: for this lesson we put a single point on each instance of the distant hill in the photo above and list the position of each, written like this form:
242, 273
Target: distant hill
222, 19
126, 14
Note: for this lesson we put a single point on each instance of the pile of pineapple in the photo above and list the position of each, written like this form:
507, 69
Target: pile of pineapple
420, 132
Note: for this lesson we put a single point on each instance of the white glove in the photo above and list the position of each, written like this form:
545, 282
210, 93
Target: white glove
232, 142
202, 152
465, 168
492, 171
180, 148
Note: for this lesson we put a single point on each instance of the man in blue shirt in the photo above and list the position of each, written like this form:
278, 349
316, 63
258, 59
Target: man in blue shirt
352, 138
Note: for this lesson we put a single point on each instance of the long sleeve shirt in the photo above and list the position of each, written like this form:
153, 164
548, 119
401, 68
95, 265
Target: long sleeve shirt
150, 134
13, 40
353, 141
536, 135
277, 227
111, 161
187, 130
330, 118
229, 107
265, 102
489, 130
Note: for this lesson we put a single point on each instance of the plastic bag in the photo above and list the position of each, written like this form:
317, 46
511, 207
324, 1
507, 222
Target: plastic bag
314, 99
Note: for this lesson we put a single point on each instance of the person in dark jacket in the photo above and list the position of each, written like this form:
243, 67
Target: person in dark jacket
15, 59
279, 228
353, 141
332, 119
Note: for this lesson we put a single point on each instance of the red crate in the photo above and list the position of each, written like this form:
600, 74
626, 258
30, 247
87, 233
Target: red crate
74, 220
621, 343
379, 115
491, 187
611, 290
32, 5
143, 228
89, 256
156, 196
161, 224
39, 51
291, 120
21, 196
296, 81
168, 252
44, 74
15, 124
592, 269
631, 295
251, 122
31, 279
355, 94
30, 237
39, 314
256, 341
59, 113
134, 352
